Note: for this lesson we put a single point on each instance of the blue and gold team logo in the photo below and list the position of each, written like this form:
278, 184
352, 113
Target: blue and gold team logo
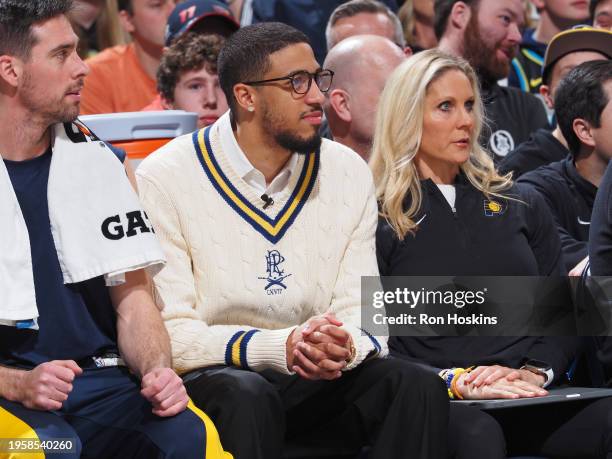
493, 208
275, 274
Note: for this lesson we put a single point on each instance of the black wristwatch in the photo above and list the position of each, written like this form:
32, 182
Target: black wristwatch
540, 368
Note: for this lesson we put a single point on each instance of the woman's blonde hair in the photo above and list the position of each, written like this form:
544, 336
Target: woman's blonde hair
398, 133
108, 30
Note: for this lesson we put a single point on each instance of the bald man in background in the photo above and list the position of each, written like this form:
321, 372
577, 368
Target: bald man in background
361, 66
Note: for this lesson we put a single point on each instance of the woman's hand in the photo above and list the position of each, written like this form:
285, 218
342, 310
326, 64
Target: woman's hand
488, 374
500, 388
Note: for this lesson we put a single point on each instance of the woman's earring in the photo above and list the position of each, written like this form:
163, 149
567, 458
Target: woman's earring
251, 108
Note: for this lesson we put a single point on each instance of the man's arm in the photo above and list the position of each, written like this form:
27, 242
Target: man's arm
145, 346
44, 388
359, 260
556, 199
10, 381
143, 339
129, 171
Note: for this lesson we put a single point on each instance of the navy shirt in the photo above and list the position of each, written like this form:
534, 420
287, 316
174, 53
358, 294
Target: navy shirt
76, 321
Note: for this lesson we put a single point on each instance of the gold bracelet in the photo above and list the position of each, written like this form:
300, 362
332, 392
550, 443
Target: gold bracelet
453, 388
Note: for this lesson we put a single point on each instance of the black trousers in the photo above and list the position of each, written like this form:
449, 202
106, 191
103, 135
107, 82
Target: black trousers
396, 408
577, 429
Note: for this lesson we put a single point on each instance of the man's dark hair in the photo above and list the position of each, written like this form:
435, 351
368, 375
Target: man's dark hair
442, 11
245, 56
17, 18
581, 95
125, 5
192, 51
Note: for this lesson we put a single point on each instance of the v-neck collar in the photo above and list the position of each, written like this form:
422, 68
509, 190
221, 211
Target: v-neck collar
217, 170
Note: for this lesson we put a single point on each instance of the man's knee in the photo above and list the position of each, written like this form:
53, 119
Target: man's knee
238, 391
475, 433
249, 386
65, 437
17, 421
482, 426
198, 437
602, 411
423, 384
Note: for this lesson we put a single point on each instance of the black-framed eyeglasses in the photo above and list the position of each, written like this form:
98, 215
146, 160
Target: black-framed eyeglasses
302, 81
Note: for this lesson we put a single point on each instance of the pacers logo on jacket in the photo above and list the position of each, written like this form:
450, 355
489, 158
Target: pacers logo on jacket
493, 208
275, 274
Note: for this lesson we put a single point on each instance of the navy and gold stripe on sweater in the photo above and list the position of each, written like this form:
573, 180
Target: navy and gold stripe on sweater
236, 349
272, 229
377, 346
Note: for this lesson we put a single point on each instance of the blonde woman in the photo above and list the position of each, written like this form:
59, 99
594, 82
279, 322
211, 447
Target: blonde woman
446, 211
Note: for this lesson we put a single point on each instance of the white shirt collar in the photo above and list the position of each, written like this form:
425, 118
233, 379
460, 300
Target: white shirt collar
243, 167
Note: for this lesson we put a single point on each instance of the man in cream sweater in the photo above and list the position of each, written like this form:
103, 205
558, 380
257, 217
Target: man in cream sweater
267, 230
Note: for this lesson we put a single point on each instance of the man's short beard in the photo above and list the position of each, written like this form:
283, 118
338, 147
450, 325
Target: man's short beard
481, 55
293, 143
51, 112
274, 125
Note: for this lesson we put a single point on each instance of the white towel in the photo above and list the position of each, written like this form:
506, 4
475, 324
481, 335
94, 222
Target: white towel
98, 225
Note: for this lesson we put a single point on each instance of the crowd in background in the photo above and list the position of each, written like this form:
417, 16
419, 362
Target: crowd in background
336, 139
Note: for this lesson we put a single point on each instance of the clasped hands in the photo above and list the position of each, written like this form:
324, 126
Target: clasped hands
496, 381
319, 348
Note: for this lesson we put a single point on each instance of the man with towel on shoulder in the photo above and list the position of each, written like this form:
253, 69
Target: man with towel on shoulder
85, 360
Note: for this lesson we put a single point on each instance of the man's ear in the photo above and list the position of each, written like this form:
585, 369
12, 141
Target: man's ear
460, 15
339, 99
582, 129
547, 96
125, 19
11, 70
246, 97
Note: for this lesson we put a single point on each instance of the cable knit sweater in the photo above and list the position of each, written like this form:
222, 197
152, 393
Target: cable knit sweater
240, 278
